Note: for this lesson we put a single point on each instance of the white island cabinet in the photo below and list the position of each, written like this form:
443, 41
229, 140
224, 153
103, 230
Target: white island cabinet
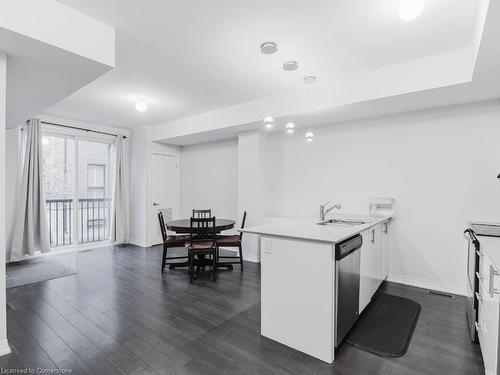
298, 279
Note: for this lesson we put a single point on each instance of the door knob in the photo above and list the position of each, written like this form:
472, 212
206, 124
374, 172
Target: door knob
156, 204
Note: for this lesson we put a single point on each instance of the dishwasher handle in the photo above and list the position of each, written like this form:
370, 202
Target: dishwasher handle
348, 246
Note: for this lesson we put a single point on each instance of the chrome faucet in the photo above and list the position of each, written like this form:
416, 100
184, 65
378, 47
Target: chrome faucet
323, 211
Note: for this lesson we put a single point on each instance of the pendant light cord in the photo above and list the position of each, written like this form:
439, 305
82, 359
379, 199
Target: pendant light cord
309, 104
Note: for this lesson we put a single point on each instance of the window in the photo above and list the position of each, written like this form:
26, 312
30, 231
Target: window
78, 186
96, 177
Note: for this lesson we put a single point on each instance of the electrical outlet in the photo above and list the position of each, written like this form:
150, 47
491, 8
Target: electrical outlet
267, 246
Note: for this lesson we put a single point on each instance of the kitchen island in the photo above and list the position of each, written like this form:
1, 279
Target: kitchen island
299, 277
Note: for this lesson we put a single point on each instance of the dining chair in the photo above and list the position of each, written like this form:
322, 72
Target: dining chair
202, 242
199, 214
170, 241
232, 241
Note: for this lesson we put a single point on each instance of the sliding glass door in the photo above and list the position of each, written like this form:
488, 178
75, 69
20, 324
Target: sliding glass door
95, 166
78, 181
58, 178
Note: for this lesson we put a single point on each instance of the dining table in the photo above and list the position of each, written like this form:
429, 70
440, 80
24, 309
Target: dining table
183, 226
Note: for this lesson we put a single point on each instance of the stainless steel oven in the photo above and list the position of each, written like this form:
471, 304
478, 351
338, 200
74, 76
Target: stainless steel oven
473, 252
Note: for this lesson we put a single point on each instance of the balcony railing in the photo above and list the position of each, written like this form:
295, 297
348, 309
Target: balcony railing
92, 221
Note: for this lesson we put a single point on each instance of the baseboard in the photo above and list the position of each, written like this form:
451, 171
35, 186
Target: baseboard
246, 257
4, 347
426, 284
251, 258
133, 241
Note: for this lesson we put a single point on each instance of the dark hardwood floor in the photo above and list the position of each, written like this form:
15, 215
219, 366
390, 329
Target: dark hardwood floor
120, 315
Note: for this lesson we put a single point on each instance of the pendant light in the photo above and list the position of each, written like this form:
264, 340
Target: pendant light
268, 48
290, 66
309, 80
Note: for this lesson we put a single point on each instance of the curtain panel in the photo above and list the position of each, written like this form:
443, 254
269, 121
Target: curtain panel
120, 212
30, 230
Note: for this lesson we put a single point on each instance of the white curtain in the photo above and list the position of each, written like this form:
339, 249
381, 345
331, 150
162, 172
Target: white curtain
120, 219
30, 231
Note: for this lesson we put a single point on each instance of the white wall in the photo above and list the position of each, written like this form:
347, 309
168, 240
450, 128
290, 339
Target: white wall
138, 186
4, 347
252, 198
439, 165
209, 178
141, 148
11, 178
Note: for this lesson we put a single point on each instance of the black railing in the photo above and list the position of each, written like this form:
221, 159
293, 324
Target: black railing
93, 220
60, 214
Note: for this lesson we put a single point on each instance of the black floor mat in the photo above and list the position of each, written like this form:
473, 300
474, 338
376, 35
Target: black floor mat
386, 327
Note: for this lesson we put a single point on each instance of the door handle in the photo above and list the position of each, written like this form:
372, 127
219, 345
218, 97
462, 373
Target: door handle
156, 204
479, 327
373, 236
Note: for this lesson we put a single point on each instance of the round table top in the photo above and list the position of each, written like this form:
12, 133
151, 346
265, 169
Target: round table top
184, 225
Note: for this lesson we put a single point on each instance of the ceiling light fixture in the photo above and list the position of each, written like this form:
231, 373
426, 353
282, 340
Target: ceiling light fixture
268, 48
410, 9
141, 105
309, 80
290, 66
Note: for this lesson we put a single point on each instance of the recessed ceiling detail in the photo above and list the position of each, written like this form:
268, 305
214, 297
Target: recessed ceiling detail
187, 72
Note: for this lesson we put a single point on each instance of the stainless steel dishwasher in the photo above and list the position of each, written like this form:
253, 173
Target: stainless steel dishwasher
347, 260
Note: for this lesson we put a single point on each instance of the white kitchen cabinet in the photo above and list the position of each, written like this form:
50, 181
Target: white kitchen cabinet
365, 267
373, 263
488, 313
386, 244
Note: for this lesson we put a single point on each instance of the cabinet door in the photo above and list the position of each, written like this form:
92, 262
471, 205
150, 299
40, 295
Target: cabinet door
375, 259
386, 243
365, 281
379, 261
488, 315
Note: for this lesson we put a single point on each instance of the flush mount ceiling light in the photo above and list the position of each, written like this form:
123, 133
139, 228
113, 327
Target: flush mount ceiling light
268, 48
290, 127
141, 105
308, 81
410, 9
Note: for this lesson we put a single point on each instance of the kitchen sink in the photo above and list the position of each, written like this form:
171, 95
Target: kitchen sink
343, 222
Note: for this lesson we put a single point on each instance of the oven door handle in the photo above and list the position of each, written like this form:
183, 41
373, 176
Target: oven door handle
470, 236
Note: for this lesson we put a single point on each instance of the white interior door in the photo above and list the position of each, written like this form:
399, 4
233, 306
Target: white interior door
164, 192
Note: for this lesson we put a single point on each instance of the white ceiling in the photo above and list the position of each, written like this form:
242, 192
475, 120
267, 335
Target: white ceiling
44, 65
190, 56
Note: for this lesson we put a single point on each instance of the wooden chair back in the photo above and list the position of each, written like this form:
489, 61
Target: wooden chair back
243, 223
164, 234
200, 214
202, 230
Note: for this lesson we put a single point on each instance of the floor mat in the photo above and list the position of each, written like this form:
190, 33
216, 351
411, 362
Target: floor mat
34, 271
386, 327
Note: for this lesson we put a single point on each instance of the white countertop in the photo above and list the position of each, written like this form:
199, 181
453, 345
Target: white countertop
308, 229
